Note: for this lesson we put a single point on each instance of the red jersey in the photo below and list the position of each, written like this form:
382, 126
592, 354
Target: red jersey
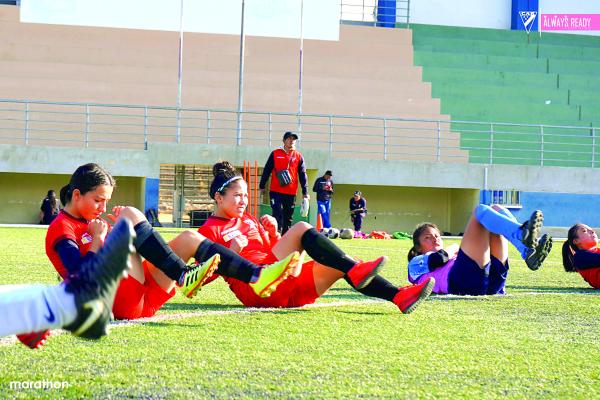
65, 226
591, 275
293, 162
223, 230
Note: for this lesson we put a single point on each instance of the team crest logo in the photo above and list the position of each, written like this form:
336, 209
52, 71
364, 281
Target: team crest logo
528, 17
86, 238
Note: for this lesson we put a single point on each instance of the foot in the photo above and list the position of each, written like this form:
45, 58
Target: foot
531, 229
536, 256
34, 340
272, 275
95, 285
363, 272
409, 297
195, 277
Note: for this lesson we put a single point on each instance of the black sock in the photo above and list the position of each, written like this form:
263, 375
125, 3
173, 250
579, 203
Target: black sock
380, 288
325, 252
150, 245
232, 264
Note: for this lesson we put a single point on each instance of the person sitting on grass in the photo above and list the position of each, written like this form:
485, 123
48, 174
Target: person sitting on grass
78, 232
580, 253
260, 242
82, 304
479, 266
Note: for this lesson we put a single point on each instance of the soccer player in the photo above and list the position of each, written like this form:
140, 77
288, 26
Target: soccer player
82, 304
479, 266
323, 186
260, 242
580, 253
282, 191
78, 232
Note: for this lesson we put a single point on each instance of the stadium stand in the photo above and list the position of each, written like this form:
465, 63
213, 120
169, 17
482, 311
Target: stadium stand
510, 77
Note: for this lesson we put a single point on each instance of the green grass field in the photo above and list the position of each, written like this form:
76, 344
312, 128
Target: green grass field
541, 340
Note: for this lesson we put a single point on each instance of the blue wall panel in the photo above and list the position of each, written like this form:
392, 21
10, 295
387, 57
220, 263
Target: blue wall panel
561, 209
151, 197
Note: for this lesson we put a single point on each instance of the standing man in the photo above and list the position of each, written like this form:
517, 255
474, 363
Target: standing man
286, 168
358, 210
324, 188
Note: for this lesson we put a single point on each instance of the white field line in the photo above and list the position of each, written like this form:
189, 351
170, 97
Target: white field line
250, 310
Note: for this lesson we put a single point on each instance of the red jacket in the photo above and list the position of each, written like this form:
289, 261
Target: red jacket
279, 160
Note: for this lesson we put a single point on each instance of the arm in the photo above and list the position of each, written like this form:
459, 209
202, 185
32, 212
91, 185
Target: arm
69, 254
302, 177
584, 259
266, 172
316, 185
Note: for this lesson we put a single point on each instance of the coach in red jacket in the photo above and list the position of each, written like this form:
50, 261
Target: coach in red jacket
282, 193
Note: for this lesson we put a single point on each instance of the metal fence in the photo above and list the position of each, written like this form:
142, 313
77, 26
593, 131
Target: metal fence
376, 13
91, 125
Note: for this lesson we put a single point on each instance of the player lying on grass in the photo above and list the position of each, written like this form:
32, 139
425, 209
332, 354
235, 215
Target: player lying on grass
81, 304
260, 242
78, 233
479, 266
580, 253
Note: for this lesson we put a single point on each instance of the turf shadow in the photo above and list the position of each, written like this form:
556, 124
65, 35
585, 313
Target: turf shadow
569, 289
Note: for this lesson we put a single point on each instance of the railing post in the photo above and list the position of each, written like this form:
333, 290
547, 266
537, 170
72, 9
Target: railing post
87, 125
385, 137
208, 126
491, 161
27, 123
330, 135
593, 146
145, 128
178, 133
439, 142
542, 145
270, 129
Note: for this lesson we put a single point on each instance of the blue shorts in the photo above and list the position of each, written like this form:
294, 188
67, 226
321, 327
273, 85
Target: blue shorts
466, 278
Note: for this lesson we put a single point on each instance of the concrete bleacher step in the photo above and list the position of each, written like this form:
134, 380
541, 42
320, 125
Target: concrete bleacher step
474, 46
440, 75
480, 92
480, 61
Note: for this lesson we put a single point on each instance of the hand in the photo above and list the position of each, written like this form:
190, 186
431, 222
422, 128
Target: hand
238, 243
115, 212
270, 224
98, 229
307, 196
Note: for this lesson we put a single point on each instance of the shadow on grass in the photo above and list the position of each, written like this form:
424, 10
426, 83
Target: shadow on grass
541, 289
198, 307
342, 294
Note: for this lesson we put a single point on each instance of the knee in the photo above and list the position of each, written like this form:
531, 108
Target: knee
133, 214
302, 226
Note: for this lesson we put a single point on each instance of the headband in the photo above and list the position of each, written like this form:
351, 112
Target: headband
227, 182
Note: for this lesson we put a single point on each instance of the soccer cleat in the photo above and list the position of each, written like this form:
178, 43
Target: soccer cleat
536, 256
272, 275
409, 297
363, 272
95, 285
34, 340
195, 277
531, 229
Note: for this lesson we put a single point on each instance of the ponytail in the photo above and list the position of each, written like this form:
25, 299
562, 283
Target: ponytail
569, 248
86, 178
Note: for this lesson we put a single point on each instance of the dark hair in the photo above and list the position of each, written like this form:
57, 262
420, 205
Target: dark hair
224, 174
51, 196
412, 253
85, 178
569, 248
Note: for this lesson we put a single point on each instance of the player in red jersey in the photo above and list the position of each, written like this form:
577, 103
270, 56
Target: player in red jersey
78, 233
259, 241
580, 253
